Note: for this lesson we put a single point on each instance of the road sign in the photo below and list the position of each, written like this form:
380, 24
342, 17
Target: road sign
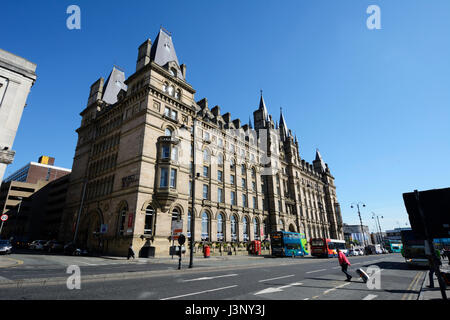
103, 228
4, 217
177, 229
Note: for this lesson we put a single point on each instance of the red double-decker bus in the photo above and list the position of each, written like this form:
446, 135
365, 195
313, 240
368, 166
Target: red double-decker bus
327, 248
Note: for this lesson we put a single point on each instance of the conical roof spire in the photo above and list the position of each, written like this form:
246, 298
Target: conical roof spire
283, 123
320, 160
262, 107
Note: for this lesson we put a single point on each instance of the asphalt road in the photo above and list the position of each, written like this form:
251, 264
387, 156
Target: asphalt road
233, 278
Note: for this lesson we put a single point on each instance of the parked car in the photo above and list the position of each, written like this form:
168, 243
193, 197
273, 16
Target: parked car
38, 245
5, 247
73, 250
359, 252
53, 246
353, 252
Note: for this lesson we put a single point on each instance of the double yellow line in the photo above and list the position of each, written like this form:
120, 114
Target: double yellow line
413, 286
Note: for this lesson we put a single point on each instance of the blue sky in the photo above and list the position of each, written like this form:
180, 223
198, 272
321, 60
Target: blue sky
375, 102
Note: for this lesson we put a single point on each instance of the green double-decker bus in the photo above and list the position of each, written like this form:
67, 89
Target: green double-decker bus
393, 246
288, 244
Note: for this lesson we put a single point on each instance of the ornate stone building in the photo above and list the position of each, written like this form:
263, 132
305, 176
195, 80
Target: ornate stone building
17, 76
132, 176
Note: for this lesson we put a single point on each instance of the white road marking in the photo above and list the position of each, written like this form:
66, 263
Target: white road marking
5, 279
316, 271
210, 278
333, 289
277, 278
279, 289
200, 292
336, 267
370, 297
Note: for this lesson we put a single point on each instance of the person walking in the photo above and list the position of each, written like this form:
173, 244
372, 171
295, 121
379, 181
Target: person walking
130, 252
343, 261
431, 273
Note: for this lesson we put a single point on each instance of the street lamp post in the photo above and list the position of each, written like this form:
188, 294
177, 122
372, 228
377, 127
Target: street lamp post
376, 218
322, 218
360, 221
191, 239
17, 216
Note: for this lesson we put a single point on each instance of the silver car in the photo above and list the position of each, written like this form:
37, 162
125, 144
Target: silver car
5, 247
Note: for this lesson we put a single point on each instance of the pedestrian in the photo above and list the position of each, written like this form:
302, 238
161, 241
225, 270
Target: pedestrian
130, 252
343, 261
431, 273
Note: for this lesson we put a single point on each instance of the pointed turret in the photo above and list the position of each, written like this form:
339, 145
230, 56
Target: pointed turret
319, 164
262, 107
113, 85
283, 127
261, 116
250, 123
163, 52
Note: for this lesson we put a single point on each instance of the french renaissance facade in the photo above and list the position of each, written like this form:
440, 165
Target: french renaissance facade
150, 156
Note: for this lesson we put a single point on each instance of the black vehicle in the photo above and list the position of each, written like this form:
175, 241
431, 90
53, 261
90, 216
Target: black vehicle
73, 250
53, 246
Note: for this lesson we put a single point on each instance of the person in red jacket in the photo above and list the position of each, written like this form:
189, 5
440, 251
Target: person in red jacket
343, 261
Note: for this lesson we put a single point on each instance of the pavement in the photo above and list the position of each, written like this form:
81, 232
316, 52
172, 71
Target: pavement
434, 293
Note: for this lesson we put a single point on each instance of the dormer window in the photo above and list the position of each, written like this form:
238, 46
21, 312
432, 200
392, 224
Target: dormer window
178, 94
173, 72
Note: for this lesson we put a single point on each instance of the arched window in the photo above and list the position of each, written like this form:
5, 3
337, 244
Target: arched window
233, 228
205, 226
176, 215
256, 229
220, 227
149, 218
231, 164
265, 228
188, 228
220, 159
245, 228
282, 225
253, 173
168, 132
122, 218
243, 170
206, 155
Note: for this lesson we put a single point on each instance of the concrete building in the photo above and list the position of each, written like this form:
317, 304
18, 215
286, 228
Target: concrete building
141, 139
353, 232
33, 172
33, 197
17, 75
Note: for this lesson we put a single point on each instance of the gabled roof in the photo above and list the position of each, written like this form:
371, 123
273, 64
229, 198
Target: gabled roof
163, 51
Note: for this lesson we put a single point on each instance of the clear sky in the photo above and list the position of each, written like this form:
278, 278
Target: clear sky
375, 102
